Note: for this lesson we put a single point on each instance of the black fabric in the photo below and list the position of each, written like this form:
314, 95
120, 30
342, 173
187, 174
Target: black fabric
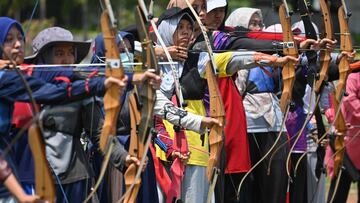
320, 151
266, 46
220, 184
298, 185
298, 91
342, 190
263, 185
63, 118
123, 123
192, 84
174, 11
232, 182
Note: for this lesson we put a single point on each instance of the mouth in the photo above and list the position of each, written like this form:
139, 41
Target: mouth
184, 40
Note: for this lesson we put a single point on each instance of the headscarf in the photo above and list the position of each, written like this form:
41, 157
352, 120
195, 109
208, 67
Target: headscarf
5, 25
99, 45
167, 27
299, 29
241, 17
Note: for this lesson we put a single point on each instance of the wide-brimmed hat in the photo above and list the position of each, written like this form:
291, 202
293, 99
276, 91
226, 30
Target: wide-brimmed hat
55, 35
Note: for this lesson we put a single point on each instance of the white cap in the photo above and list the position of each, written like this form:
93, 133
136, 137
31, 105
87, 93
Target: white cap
212, 4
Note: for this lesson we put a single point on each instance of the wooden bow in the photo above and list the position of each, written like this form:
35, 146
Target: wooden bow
216, 104
325, 58
112, 104
141, 122
311, 55
112, 96
344, 70
288, 75
180, 143
290, 49
216, 109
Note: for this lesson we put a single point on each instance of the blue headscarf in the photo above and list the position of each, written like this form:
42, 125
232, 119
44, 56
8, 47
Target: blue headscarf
5, 25
99, 51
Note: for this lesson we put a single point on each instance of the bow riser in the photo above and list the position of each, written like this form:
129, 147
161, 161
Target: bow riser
112, 96
290, 49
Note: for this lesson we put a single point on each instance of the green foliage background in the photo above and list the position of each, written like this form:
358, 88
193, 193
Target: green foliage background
82, 16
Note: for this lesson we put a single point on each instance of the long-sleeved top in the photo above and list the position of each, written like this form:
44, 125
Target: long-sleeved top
12, 89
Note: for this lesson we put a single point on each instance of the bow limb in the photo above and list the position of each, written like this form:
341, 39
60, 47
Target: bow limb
325, 56
344, 70
216, 104
135, 149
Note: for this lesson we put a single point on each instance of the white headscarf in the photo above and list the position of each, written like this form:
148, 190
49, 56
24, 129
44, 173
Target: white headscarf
300, 26
241, 17
167, 29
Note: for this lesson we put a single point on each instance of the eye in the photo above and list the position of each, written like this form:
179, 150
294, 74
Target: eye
9, 39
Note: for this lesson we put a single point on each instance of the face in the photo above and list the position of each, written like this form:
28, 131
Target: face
127, 44
215, 18
183, 33
63, 54
200, 7
256, 23
14, 46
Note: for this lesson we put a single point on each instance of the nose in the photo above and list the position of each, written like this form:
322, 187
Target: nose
257, 28
202, 15
217, 14
67, 59
17, 44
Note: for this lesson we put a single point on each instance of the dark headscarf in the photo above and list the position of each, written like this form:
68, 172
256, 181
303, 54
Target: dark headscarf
5, 25
99, 47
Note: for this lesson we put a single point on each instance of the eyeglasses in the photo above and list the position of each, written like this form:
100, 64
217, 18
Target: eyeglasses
259, 24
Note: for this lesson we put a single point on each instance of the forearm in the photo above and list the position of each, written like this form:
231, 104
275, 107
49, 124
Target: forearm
118, 156
13, 89
165, 109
